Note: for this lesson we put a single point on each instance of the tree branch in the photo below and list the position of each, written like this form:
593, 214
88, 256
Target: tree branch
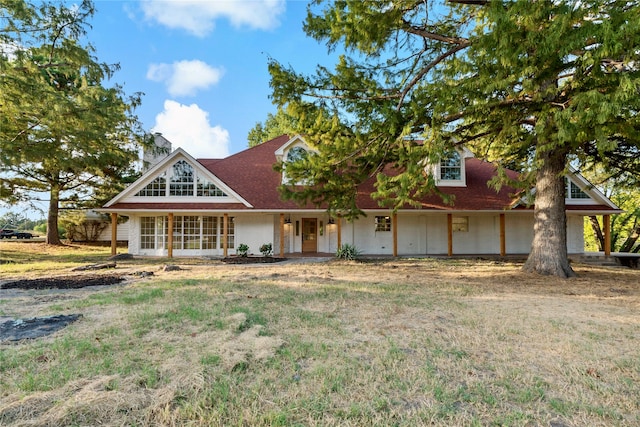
428, 68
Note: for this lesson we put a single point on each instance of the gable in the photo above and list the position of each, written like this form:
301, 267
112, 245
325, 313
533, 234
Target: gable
179, 178
579, 191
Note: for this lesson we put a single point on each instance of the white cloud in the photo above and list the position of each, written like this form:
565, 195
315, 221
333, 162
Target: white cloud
198, 17
188, 126
185, 78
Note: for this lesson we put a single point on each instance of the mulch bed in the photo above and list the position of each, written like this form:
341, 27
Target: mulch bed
64, 282
252, 260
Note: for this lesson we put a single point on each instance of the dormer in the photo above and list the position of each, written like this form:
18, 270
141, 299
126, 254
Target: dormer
450, 171
293, 150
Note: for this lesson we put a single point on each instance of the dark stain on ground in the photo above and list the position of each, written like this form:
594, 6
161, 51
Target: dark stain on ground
35, 327
64, 282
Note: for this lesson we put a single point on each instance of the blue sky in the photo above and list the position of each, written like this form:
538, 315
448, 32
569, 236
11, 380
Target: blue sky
202, 64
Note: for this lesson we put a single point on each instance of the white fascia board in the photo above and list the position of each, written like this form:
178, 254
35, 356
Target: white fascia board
280, 151
170, 159
590, 189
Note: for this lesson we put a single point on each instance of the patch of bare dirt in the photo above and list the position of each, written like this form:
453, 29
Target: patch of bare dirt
64, 282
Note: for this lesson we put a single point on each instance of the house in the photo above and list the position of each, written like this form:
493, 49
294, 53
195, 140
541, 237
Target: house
184, 206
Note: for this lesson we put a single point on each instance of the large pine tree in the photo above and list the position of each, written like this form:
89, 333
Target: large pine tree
532, 84
63, 132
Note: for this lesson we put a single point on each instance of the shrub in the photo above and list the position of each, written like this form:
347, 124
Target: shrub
347, 251
266, 249
243, 250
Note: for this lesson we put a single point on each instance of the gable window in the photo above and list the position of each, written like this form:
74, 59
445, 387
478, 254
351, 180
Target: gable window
181, 183
156, 188
383, 223
207, 188
451, 167
572, 191
181, 179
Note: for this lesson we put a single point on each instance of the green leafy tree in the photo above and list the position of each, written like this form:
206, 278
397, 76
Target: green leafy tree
275, 125
62, 130
625, 227
531, 84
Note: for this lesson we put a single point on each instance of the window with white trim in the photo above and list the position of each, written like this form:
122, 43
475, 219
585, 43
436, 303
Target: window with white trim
181, 182
460, 223
184, 180
450, 170
147, 232
190, 232
383, 223
156, 188
451, 167
572, 191
207, 188
296, 154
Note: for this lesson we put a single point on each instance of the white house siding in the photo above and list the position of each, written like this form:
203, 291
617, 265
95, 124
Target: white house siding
254, 231
122, 233
518, 233
437, 234
482, 237
412, 234
418, 234
575, 234
369, 241
134, 236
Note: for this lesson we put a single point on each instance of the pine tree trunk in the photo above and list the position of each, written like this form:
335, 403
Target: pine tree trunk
595, 226
628, 244
53, 238
549, 247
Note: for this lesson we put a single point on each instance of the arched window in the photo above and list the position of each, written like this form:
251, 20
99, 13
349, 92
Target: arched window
181, 183
297, 153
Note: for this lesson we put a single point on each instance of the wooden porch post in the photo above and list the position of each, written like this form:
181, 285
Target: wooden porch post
114, 232
449, 234
339, 222
394, 227
503, 244
606, 221
225, 234
170, 235
281, 235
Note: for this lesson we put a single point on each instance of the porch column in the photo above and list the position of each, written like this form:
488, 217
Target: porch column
503, 244
281, 235
449, 234
225, 233
339, 222
170, 235
606, 222
394, 227
114, 232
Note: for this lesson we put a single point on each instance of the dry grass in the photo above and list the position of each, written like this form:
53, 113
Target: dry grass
392, 342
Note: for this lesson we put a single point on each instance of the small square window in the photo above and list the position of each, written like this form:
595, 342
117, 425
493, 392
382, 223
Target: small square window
383, 223
460, 223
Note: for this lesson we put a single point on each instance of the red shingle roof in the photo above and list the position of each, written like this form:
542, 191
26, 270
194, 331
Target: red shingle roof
251, 175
